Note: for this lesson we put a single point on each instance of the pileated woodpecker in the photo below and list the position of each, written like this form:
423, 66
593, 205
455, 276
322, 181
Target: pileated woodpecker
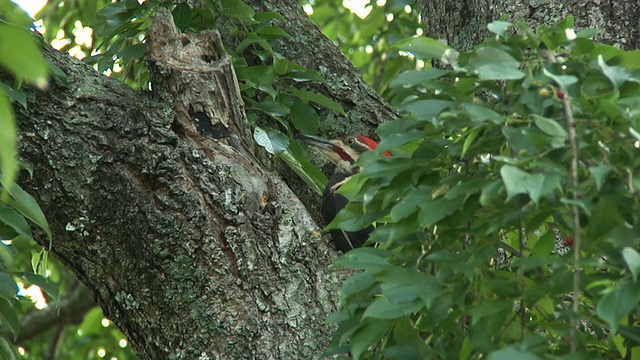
343, 152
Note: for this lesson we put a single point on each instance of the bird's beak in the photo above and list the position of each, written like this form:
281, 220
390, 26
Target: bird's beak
318, 142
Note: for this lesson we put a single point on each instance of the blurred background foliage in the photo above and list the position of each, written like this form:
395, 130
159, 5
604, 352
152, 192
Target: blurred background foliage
109, 36
368, 36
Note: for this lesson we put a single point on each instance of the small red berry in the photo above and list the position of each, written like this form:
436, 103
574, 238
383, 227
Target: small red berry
560, 94
568, 241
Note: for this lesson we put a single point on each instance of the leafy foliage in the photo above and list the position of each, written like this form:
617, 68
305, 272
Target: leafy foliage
25, 65
372, 41
484, 168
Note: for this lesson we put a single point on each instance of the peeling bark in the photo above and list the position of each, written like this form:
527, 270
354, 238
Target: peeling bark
158, 206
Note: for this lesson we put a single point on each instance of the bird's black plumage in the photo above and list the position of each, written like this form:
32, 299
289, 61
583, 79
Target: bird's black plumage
343, 152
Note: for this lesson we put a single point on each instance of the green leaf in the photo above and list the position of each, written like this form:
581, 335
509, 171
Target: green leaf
109, 19
258, 75
493, 64
511, 354
545, 245
237, 9
630, 59
357, 283
8, 319
271, 140
436, 210
422, 47
132, 52
305, 118
13, 94
21, 56
14, 220
318, 99
305, 75
366, 335
632, 258
268, 15
382, 308
499, 27
549, 126
517, 181
182, 15
400, 286
8, 286
310, 174
58, 74
362, 259
28, 207
616, 74
490, 192
631, 333
7, 255
8, 350
600, 174
617, 303
479, 114
564, 81
272, 31
488, 308
426, 109
409, 342
414, 77
8, 147
408, 205
272, 108
470, 137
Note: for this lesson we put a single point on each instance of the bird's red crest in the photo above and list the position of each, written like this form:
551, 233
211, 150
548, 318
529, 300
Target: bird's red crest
371, 144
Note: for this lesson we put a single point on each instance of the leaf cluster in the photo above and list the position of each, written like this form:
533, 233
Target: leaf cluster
474, 254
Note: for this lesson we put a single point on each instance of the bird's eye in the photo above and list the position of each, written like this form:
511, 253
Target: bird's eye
350, 141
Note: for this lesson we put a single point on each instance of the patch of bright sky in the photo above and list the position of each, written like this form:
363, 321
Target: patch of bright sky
82, 35
32, 7
359, 7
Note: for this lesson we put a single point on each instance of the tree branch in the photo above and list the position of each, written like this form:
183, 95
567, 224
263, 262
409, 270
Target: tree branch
73, 307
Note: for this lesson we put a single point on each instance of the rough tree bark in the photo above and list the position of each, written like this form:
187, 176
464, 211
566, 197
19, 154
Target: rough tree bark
462, 24
365, 109
190, 246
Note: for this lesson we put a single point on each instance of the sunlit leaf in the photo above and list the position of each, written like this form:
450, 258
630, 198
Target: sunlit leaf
28, 207
237, 9
21, 56
422, 47
517, 181
632, 258
490, 63
8, 147
271, 140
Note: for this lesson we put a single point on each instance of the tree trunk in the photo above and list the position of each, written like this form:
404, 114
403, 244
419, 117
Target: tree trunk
463, 24
158, 205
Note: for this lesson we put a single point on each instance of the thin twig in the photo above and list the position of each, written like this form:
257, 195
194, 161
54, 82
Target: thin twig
577, 238
523, 318
517, 253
